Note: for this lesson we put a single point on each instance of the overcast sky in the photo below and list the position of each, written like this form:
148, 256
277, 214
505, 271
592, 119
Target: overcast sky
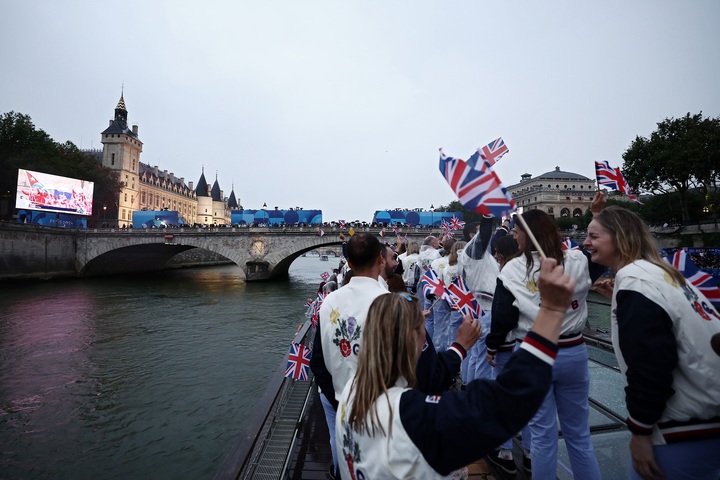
342, 105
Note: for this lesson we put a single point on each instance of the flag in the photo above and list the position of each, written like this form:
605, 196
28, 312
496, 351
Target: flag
382, 232
704, 282
464, 298
309, 303
325, 276
456, 223
298, 366
568, 243
342, 224
394, 228
613, 178
432, 285
321, 232
478, 190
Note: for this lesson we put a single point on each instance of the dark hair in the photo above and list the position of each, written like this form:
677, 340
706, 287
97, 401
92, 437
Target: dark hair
396, 283
363, 249
507, 247
546, 233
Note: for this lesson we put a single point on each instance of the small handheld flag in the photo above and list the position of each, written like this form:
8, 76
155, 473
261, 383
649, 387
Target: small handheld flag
613, 178
298, 366
464, 298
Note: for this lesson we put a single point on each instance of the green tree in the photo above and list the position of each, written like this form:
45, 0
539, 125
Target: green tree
682, 154
22, 145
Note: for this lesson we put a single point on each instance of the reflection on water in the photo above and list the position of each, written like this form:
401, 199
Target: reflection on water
139, 377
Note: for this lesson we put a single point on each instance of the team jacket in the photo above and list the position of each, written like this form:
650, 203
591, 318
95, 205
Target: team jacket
338, 340
517, 298
661, 334
434, 435
427, 255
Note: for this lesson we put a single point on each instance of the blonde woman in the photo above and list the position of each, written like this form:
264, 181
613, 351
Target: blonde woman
387, 429
661, 331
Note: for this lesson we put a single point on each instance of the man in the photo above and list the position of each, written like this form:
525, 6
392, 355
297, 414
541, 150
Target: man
389, 264
428, 253
338, 338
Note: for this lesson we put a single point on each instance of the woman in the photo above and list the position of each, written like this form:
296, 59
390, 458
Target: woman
661, 331
515, 304
449, 275
411, 270
429, 438
506, 248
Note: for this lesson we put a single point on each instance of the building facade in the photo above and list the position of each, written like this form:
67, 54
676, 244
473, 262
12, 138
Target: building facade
146, 187
557, 193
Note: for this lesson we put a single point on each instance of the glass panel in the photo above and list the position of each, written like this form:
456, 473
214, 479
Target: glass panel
611, 450
607, 388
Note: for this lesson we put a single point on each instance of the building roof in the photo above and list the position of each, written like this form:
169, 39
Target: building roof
119, 124
202, 187
558, 174
232, 201
215, 192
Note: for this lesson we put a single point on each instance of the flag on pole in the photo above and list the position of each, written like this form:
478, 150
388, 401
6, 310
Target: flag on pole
430, 284
298, 366
478, 190
613, 178
456, 223
382, 232
490, 153
342, 224
704, 282
464, 299
325, 276
568, 243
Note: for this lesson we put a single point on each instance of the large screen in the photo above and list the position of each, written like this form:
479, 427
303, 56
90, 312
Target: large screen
51, 193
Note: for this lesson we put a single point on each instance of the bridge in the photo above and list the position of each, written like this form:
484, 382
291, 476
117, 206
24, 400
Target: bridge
263, 253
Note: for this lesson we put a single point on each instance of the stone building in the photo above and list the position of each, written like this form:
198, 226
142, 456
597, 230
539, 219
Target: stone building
558, 193
146, 187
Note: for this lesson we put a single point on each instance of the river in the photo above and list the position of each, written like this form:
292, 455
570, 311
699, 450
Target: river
153, 376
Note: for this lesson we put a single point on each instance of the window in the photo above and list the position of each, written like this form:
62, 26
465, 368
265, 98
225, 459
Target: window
142, 197
125, 198
551, 210
112, 159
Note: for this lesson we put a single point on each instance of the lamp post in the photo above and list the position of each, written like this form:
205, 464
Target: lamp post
264, 212
432, 216
104, 211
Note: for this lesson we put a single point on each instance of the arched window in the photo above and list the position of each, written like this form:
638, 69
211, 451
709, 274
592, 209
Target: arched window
565, 212
577, 212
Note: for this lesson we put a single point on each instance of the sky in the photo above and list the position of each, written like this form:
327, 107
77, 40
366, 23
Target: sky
343, 105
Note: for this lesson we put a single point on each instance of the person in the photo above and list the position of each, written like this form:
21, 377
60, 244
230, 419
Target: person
660, 325
506, 248
441, 307
515, 303
428, 252
447, 331
339, 334
388, 429
411, 271
388, 266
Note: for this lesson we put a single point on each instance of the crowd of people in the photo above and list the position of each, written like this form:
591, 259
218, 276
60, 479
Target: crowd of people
413, 388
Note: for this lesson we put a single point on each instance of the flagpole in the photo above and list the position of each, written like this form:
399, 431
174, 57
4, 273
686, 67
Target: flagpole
532, 237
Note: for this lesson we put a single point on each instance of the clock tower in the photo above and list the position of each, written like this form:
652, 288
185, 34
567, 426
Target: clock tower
121, 152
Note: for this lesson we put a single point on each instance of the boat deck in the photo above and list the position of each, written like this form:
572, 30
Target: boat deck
288, 436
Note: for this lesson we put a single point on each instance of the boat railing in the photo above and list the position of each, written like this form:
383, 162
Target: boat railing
263, 451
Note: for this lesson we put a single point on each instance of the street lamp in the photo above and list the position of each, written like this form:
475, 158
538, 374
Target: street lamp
104, 210
432, 216
264, 212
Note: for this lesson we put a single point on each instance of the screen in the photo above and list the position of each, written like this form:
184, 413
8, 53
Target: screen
51, 193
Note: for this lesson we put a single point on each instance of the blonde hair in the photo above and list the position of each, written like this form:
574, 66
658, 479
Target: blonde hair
632, 239
457, 246
389, 351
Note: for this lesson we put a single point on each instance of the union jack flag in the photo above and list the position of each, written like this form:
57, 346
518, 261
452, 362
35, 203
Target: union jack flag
456, 223
432, 285
298, 366
613, 178
704, 282
321, 232
309, 303
325, 276
464, 298
478, 190
568, 243
342, 224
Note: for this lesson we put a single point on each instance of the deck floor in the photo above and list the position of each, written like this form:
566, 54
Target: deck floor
311, 458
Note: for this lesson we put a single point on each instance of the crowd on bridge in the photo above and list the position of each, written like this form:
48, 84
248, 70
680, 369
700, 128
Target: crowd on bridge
430, 356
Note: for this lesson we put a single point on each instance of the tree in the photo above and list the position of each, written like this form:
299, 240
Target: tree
680, 155
24, 146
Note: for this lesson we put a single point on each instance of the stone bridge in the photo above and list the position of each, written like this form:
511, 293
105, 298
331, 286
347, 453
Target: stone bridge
262, 253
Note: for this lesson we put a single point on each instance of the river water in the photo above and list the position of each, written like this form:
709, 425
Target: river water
140, 377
